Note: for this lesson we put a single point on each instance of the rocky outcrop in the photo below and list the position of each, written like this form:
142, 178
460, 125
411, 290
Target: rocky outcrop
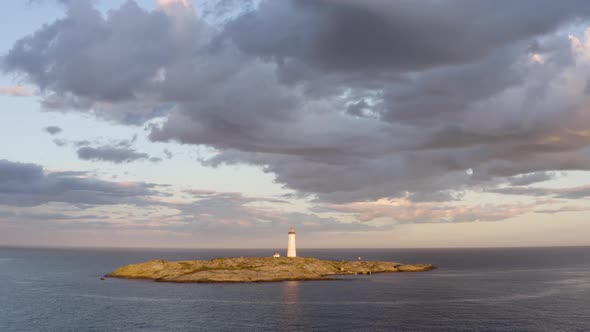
256, 269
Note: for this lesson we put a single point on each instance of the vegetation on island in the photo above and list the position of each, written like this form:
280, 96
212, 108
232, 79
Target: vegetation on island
257, 269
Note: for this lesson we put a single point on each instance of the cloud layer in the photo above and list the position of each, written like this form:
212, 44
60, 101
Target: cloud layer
31, 195
346, 101
23, 184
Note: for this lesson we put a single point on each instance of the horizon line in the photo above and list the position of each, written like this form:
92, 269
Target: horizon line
2, 246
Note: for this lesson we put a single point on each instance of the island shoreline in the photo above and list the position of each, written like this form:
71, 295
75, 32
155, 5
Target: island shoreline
257, 270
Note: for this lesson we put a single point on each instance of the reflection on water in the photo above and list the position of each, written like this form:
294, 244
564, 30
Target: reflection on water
290, 292
291, 302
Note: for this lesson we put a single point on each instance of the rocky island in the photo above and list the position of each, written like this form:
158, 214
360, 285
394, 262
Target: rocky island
257, 269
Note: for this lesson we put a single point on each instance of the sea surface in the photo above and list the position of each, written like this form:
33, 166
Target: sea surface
532, 289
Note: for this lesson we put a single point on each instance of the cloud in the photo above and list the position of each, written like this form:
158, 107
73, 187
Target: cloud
53, 130
527, 179
399, 106
115, 151
55, 59
15, 91
234, 213
50, 221
405, 211
416, 134
34, 198
375, 35
60, 142
112, 154
565, 193
564, 209
23, 184
20, 216
31, 195
168, 3
168, 154
574, 193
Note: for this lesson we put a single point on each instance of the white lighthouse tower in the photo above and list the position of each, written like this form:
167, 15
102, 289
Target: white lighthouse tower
291, 251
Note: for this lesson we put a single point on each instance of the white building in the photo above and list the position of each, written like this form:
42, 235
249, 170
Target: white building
291, 249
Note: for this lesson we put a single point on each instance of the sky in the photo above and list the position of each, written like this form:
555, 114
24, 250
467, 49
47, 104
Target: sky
223, 123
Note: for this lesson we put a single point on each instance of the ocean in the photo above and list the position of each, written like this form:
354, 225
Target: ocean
511, 289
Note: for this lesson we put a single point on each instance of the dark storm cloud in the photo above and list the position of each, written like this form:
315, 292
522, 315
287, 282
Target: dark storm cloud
53, 130
344, 100
436, 123
24, 184
376, 34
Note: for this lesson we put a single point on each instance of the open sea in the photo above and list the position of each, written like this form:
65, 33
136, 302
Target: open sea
526, 289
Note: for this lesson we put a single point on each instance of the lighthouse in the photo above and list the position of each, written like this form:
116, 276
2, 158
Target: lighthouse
291, 251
